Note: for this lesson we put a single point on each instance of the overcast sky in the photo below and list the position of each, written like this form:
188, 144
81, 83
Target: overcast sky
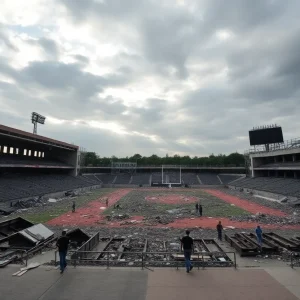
120, 77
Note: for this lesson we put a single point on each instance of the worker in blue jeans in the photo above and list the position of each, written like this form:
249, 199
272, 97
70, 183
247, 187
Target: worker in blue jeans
187, 244
62, 244
258, 232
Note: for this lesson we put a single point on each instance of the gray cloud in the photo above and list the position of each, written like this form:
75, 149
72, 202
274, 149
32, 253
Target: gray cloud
207, 92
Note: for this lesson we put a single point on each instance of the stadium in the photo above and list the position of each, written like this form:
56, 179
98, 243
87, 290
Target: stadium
130, 215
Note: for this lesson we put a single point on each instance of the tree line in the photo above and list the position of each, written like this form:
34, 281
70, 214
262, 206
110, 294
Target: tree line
91, 159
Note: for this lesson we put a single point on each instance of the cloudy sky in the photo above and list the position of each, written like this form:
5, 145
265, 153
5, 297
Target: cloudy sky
120, 77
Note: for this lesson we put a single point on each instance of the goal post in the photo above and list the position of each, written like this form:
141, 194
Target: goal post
171, 174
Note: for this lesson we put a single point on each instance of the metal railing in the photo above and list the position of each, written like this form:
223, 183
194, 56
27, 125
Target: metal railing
158, 166
295, 259
144, 259
289, 144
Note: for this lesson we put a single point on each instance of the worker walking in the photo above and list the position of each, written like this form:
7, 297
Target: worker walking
200, 210
258, 232
106, 201
219, 230
62, 244
187, 244
197, 208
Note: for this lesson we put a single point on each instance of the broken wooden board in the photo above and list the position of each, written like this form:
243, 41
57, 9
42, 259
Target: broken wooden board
21, 273
24, 270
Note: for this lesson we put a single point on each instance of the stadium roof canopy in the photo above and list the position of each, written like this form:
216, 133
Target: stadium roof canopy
6, 131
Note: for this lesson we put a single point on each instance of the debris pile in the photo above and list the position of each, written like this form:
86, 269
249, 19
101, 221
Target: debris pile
117, 217
155, 220
268, 219
34, 202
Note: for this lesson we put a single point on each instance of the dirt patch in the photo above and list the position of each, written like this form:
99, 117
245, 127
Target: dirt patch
94, 214
90, 214
172, 199
245, 204
204, 222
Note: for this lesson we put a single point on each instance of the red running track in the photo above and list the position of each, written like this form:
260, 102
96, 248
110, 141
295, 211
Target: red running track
245, 204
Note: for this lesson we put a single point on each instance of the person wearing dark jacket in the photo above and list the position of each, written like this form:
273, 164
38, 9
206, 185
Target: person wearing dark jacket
200, 210
187, 244
219, 230
62, 244
197, 208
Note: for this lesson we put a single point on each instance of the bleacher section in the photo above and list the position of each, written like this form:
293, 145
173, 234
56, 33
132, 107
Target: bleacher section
91, 178
17, 187
143, 178
283, 186
156, 178
171, 177
189, 178
209, 179
123, 179
228, 178
106, 178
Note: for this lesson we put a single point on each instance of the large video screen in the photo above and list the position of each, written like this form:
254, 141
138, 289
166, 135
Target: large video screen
266, 136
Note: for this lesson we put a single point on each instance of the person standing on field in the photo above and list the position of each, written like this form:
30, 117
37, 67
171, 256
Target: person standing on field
219, 230
73, 206
200, 210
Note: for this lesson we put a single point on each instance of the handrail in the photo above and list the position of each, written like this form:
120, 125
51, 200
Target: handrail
288, 144
75, 256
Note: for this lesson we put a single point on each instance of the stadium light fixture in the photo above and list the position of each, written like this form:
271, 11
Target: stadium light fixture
37, 119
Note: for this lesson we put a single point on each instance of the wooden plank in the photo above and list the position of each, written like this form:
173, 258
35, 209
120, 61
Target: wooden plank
22, 273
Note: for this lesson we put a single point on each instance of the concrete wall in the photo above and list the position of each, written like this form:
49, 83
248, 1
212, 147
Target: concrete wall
70, 158
263, 193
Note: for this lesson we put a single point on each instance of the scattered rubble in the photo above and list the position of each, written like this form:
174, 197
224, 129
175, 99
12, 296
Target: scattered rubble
268, 219
116, 217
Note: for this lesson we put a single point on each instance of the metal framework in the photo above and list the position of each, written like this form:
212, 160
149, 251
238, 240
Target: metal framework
118, 167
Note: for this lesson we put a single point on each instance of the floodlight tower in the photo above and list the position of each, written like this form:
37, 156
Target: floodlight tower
35, 119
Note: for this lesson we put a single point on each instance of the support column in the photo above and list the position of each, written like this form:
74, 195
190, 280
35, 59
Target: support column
252, 170
283, 158
295, 174
294, 158
275, 159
